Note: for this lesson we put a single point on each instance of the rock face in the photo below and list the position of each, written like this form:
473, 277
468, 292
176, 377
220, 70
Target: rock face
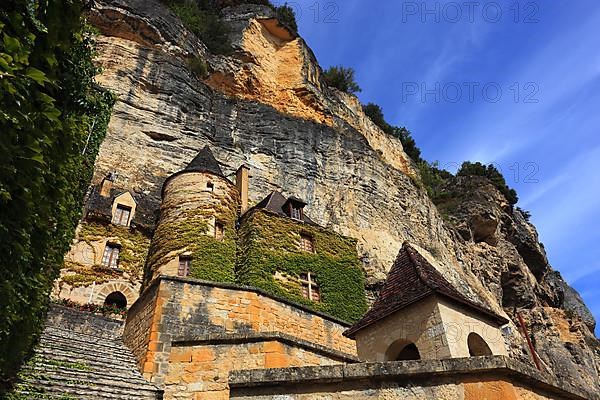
266, 106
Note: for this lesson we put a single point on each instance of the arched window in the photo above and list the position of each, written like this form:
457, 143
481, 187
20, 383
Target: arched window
477, 346
402, 350
116, 299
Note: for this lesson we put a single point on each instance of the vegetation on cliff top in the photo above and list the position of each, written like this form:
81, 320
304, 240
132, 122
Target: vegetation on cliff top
203, 18
53, 118
341, 78
432, 177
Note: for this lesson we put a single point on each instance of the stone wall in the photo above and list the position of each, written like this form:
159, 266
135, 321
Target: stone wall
200, 369
188, 214
194, 322
489, 378
82, 322
141, 318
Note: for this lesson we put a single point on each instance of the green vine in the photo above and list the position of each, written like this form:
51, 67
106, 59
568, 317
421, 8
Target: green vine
269, 244
212, 259
53, 118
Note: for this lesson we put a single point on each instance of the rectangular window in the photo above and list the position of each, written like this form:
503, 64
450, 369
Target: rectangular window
110, 258
122, 214
219, 231
295, 212
185, 264
310, 288
307, 243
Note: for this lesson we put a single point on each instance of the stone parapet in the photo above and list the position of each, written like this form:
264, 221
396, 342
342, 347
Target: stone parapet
495, 377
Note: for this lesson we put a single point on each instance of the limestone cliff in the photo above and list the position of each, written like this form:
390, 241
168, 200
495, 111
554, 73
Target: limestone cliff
266, 106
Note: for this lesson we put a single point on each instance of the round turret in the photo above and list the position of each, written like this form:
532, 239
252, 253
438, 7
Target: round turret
195, 235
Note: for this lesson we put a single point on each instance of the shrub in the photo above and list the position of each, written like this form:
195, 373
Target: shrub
202, 19
52, 118
287, 17
375, 113
478, 169
198, 67
341, 78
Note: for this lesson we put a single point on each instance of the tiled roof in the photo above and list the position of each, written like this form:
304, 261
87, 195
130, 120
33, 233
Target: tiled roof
205, 161
274, 203
411, 279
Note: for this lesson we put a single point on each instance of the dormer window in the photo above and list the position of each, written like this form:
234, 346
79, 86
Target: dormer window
122, 215
110, 258
210, 187
310, 288
295, 208
295, 212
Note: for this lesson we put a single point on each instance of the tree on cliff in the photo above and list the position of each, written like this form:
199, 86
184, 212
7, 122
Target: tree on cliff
495, 177
341, 78
52, 118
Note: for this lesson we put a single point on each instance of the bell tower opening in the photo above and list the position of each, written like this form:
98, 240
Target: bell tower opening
402, 350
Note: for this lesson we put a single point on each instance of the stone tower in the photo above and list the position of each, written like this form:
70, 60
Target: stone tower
195, 235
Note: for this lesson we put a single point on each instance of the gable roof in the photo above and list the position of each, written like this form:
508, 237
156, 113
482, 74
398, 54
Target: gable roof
274, 203
411, 279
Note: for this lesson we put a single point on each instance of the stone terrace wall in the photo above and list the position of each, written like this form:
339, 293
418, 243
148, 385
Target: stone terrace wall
141, 317
198, 325
201, 371
83, 322
489, 378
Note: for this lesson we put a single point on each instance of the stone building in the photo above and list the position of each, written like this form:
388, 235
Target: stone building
106, 261
420, 315
256, 303
205, 230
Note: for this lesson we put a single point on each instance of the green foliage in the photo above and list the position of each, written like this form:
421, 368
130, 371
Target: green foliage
202, 18
269, 244
198, 67
495, 177
287, 17
433, 179
134, 247
212, 259
526, 214
341, 78
52, 119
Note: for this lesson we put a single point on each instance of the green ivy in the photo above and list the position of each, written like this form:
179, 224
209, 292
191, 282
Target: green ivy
269, 244
52, 118
212, 259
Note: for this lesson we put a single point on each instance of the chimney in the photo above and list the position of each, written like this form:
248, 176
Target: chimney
107, 184
241, 181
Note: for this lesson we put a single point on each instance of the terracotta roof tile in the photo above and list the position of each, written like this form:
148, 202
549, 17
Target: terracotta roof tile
411, 279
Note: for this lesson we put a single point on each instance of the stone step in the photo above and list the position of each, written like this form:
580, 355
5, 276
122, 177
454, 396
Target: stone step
122, 353
69, 364
93, 361
75, 337
71, 389
123, 378
90, 378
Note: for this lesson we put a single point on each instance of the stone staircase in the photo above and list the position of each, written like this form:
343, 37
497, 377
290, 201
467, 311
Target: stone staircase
71, 364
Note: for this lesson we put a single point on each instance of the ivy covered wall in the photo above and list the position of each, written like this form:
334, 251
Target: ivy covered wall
84, 269
53, 118
186, 227
270, 244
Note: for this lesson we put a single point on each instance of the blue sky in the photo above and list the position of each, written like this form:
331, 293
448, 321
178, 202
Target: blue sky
514, 83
